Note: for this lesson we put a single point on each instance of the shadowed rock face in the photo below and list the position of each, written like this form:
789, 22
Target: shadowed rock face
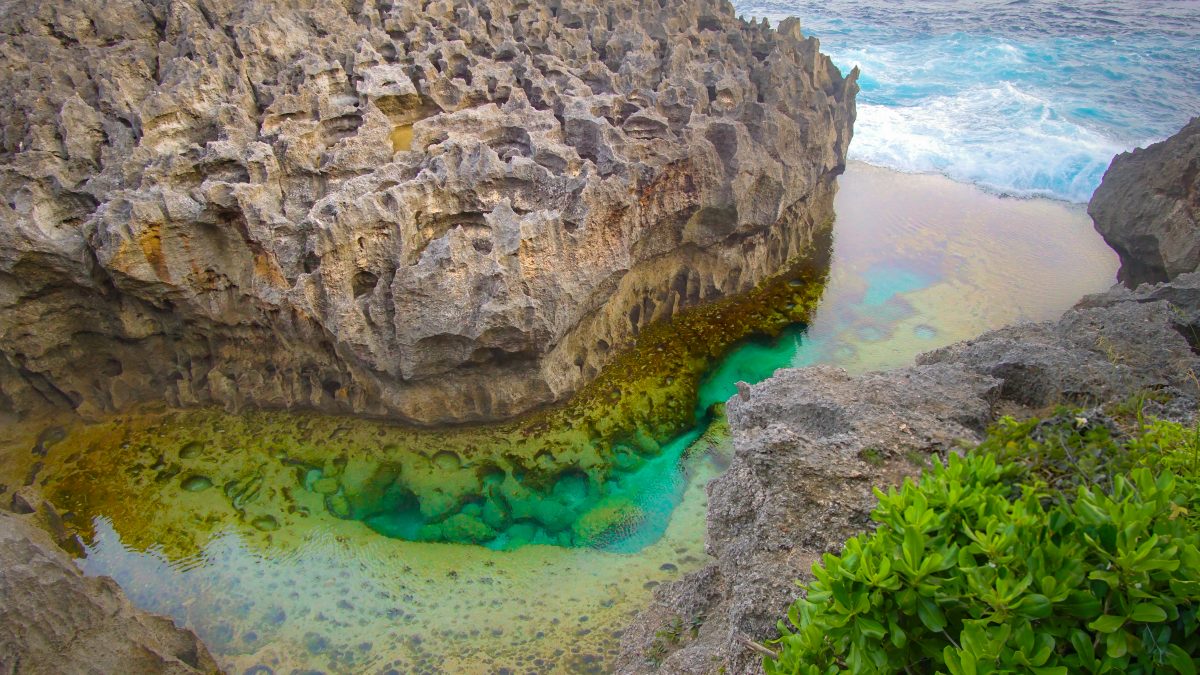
445, 212
1148, 209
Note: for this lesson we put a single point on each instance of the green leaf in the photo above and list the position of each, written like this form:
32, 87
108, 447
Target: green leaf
1082, 642
1034, 606
1116, 644
959, 662
1180, 661
914, 545
897, 635
1148, 613
931, 615
870, 627
1107, 623
1080, 605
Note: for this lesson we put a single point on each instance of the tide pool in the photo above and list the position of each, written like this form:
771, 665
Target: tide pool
223, 522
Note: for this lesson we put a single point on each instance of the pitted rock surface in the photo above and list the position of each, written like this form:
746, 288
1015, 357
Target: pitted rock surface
1148, 209
441, 211
812, 444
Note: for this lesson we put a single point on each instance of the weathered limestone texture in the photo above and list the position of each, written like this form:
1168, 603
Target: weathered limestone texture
438, 211
55, 621
810, 444
1148, 209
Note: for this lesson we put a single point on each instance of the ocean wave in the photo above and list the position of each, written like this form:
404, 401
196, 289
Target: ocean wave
997, 137
1022, 98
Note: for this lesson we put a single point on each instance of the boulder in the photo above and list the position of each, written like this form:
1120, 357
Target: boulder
1148, 209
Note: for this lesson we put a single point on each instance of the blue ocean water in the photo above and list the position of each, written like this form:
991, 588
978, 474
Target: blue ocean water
1021, 97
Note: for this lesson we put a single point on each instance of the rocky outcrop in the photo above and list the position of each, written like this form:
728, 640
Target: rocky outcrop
811, 444
1148, 209
441, 211
54, 620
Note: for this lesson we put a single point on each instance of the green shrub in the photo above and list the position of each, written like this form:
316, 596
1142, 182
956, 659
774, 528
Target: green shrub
1055, 547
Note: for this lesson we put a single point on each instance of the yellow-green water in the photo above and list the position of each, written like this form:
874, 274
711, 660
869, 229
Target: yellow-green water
261, 531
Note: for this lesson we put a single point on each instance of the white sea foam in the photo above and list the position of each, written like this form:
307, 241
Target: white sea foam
997, 137
1031, 98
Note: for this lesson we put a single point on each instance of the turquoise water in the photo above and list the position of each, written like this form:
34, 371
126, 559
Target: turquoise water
1021, 97
646, 490
758, 358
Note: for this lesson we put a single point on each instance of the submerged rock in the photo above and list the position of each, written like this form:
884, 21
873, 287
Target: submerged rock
265, 523
607, 521
467, 529
1148, 209
53, 619
196, 483
444, 212
811, 444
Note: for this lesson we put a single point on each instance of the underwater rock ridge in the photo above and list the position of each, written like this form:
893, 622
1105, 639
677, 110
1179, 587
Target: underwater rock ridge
452, 212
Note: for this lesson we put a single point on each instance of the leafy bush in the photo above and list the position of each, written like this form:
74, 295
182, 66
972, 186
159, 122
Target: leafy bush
1063, 546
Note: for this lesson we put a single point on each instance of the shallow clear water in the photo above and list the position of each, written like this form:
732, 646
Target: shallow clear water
283, 584
1023, 97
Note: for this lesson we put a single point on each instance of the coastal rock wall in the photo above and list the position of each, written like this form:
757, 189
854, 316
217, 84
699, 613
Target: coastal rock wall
811, 444
1148, 209
438, 211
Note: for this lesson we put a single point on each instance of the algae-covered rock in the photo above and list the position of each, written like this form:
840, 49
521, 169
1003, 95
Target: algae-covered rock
607, 520
191, 450
265, 523
338, 506
552, 514
325, 486
520, 534
430, 532
496, 514
467, 529
437, 503
196, 483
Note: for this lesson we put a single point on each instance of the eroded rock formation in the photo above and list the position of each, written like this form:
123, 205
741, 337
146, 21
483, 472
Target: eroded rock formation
440, 211
810, 444
54, 620
1148, 209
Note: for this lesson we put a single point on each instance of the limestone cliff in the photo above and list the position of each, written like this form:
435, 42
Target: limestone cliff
441, 211
1148, 209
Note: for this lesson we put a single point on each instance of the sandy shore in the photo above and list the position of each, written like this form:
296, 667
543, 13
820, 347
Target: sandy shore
921, 261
